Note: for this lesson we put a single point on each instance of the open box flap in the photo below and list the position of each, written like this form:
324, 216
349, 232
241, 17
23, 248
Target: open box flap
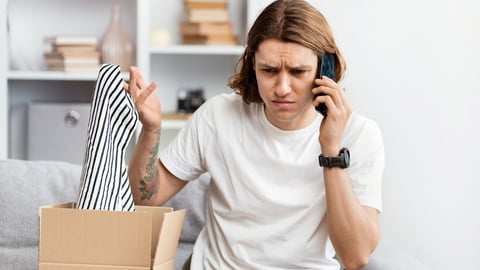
63, 266
168, 265
168, 239
157, 221
101, 237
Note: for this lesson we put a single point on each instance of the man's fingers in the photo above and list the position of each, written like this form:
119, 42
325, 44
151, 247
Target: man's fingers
138, 89
146, 93
132, 86
138, 76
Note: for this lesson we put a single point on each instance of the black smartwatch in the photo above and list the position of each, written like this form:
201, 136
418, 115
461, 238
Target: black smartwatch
341, 161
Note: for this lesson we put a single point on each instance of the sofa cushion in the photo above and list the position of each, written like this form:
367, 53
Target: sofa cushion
184, 251
192, 198
24, 187
388, 257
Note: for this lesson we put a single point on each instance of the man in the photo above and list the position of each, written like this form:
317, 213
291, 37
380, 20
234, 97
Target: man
270, 205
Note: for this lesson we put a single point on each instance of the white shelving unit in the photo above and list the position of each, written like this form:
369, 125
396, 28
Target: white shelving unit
3, 83
23, 79
51, 76
198, 50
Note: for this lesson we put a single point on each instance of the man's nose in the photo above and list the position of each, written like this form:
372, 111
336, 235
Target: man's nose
283, 84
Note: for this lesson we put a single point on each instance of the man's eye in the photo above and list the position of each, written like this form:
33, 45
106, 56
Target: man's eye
298, 71
269, 70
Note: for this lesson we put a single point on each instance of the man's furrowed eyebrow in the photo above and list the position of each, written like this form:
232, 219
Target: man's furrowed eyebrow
267, 65
302, 67
306, 66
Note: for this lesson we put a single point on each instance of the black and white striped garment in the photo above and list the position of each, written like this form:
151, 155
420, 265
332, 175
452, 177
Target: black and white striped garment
113, 119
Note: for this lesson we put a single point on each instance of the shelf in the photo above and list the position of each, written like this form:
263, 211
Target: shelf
173, 123
174, 120
198, 49
44, 75
207, 65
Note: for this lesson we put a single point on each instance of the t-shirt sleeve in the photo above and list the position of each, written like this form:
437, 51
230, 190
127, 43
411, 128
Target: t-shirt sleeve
183, 157
367, 163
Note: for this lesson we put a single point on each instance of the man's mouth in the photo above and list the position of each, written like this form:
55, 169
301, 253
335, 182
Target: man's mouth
282, 104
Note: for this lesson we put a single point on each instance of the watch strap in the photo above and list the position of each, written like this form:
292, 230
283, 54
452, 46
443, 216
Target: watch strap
341, 161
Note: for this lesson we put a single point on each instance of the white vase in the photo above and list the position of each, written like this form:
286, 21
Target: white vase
116, 46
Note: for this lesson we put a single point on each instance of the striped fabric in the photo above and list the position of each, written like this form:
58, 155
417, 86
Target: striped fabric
113, 118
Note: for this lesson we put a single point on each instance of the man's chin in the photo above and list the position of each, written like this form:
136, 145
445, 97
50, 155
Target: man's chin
281, 119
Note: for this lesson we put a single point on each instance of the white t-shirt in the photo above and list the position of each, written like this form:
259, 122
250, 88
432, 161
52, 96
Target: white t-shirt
266, 201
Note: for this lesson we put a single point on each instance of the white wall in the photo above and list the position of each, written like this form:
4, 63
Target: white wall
414, 68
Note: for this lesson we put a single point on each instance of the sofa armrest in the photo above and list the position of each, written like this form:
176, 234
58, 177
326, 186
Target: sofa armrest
24, 187
388, 257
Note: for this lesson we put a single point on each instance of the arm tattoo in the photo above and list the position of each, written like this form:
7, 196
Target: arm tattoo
150, 183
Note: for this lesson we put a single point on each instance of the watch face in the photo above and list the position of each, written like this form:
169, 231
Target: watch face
346, 156
342, 160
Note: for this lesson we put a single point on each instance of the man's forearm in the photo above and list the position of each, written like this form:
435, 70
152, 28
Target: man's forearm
353, 227
143, 171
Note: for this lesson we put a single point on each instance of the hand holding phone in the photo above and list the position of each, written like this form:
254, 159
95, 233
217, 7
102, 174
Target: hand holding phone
326, 67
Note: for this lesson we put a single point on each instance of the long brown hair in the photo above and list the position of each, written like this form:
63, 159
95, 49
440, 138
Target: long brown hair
289, 21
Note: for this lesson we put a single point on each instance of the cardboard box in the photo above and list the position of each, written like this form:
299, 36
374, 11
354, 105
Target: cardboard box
73, 239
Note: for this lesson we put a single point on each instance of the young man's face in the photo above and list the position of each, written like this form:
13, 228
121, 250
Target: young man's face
285, 73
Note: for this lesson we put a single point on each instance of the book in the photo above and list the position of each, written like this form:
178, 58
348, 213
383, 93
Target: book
77, 63
207, 15
205, 4
71, 40
74, 57
72, 49
205, 28
60, 61
72, 61
73, 53
210, 39
75, 68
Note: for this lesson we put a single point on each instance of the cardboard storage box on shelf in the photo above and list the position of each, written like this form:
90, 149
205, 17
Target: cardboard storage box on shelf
73, 239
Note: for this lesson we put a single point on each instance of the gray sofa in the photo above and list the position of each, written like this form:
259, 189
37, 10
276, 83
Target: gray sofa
27, 185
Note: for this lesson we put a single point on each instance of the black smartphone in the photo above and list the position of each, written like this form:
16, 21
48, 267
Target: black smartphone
326, 67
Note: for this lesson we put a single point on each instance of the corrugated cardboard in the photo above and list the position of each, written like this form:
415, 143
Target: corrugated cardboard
73, 239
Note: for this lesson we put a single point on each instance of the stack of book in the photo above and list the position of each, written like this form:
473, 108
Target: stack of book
72, 53
207, 23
